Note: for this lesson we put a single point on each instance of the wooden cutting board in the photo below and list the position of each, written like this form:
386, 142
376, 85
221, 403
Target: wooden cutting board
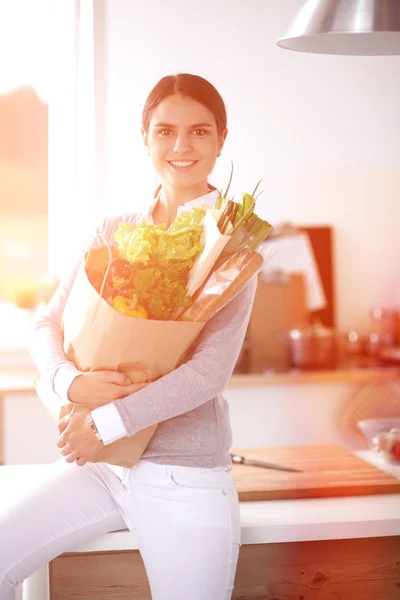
327, 471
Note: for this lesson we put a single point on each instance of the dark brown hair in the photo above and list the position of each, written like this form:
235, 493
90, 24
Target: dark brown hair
189, 85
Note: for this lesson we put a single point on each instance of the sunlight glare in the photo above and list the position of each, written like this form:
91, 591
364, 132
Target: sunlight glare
24, 45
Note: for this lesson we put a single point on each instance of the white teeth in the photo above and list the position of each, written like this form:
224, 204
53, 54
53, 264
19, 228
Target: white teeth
178, 163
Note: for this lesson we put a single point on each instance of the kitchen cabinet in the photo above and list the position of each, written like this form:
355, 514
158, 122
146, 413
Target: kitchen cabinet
320, 570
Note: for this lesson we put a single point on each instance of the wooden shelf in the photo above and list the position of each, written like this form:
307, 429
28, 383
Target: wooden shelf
335, 376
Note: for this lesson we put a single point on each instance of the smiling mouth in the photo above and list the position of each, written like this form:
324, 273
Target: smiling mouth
182, 164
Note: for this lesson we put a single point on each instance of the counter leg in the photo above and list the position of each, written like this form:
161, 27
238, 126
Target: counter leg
1, 430
37, 586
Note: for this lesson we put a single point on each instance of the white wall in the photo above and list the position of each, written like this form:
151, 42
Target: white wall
30, 436
323, 132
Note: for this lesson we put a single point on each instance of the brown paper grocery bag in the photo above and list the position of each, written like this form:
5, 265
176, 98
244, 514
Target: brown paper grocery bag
96, 336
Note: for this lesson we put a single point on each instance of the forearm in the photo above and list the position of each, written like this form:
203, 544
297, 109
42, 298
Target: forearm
46, 345
47, 341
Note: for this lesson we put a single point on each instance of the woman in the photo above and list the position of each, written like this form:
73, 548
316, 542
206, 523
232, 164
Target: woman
179, 499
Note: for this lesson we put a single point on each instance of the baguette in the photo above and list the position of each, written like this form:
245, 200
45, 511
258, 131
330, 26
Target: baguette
222, 285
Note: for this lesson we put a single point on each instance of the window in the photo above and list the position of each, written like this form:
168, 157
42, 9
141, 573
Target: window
46, 150
47, 153
23, 147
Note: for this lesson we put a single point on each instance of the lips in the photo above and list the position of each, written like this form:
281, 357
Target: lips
182, 164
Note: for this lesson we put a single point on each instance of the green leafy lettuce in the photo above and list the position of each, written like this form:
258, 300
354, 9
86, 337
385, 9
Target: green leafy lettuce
143, 242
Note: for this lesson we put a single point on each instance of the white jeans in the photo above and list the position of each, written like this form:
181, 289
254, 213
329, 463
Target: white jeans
186, 521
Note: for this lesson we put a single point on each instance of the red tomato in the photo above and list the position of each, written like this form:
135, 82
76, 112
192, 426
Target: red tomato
395, 450
120, 267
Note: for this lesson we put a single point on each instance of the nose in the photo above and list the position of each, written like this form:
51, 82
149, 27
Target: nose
182, 144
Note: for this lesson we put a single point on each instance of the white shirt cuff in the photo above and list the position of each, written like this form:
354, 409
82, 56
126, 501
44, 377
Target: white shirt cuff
63, 377
109, 423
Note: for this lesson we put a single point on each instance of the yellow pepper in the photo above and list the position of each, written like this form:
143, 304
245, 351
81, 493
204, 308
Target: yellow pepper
140, 312
123, 305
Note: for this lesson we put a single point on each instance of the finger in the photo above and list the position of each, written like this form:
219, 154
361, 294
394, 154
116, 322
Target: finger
63, 423
71, 457
122, 392
61, 441
116, 377
65, 450
119, 391
136, 387
81, 462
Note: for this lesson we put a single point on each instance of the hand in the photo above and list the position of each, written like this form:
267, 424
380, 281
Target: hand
96, 388
77, 440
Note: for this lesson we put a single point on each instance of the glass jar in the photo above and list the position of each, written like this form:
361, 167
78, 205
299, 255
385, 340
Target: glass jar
382, 330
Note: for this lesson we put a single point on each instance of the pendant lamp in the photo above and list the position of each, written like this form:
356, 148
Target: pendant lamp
347, 27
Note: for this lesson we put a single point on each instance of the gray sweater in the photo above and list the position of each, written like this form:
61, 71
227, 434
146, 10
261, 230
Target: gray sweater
193, 416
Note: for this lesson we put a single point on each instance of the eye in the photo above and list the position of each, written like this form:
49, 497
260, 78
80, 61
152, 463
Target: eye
164, 132
200, 132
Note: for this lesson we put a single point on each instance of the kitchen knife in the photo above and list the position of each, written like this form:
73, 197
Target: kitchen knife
241, 460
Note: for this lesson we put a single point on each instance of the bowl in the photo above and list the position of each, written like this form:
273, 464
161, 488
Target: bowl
382, 436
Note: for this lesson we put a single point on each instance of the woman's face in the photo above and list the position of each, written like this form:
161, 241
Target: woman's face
183, 141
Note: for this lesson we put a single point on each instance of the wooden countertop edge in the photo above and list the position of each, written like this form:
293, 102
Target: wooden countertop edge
339, 376
19, 380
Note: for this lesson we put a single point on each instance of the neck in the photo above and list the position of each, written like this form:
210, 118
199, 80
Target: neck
170, 197
173, 197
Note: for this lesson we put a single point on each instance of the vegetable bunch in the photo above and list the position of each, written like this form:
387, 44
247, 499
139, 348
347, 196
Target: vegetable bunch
148, 274
239, 220
153, 267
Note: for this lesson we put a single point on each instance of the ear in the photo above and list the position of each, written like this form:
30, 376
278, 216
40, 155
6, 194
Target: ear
144, 137
222, 139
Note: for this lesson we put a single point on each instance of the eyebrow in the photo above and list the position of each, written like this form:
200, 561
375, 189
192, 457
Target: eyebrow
191, 126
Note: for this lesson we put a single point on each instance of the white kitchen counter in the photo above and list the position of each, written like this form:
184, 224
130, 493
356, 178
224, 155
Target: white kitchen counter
268, 521
271, 521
